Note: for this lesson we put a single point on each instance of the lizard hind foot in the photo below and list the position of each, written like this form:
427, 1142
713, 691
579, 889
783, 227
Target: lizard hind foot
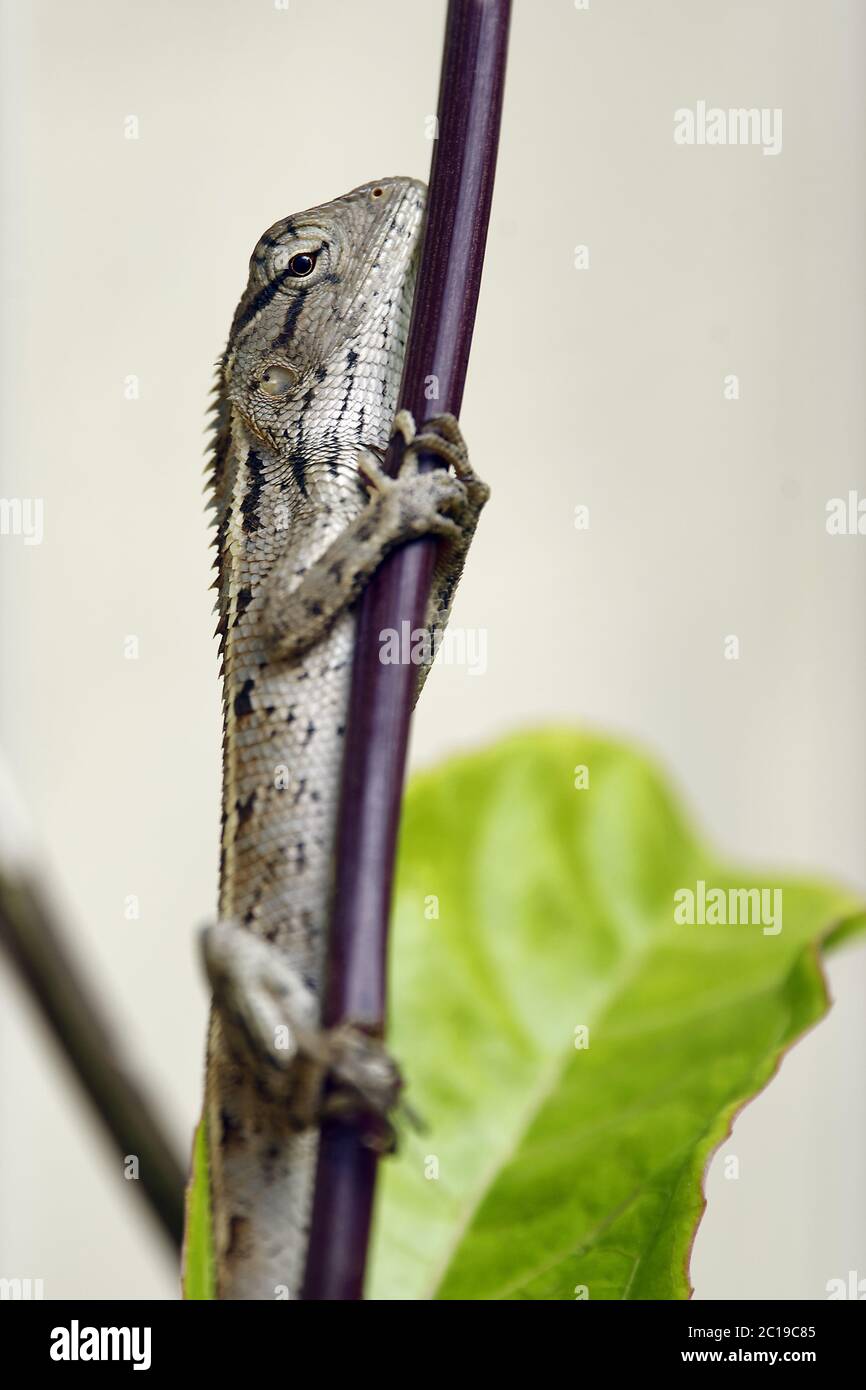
271, 1019
365, 1082
263, 1001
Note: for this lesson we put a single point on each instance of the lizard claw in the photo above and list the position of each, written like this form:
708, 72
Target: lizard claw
369, 468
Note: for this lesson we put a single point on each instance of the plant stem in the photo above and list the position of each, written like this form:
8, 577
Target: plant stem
35, 944
443, 317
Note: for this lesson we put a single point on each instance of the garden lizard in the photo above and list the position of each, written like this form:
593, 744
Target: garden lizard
305, 401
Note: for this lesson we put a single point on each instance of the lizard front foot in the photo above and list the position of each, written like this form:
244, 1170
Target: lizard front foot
271, 1019
442, 437
437, 502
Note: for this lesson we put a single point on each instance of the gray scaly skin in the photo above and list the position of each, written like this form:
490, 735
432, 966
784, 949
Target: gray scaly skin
305, 406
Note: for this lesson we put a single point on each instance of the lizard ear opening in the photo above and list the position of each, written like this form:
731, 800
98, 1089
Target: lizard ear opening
277, 380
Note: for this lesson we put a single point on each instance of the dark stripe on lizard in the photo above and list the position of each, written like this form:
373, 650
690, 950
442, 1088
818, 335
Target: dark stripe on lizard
259, 302
290, 322
351, 360
250, 504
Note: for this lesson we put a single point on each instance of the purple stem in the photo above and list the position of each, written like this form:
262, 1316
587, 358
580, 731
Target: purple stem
443, 317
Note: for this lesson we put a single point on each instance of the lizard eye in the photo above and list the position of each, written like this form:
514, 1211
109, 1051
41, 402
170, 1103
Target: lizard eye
302, 264
277, 380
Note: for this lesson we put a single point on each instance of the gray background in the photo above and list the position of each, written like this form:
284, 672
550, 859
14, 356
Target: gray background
602, 387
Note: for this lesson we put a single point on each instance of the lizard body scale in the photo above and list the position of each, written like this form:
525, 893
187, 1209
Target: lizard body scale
305, 406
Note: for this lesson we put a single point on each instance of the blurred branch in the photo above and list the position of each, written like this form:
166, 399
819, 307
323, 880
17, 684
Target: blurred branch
34, 941
443, 317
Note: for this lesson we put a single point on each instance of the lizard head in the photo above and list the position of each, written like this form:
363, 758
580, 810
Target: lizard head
316, 347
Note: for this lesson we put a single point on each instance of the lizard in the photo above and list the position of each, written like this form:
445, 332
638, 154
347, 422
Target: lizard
304, 409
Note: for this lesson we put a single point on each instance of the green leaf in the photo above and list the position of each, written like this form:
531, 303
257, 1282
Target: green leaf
198, 1257
546, 1167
